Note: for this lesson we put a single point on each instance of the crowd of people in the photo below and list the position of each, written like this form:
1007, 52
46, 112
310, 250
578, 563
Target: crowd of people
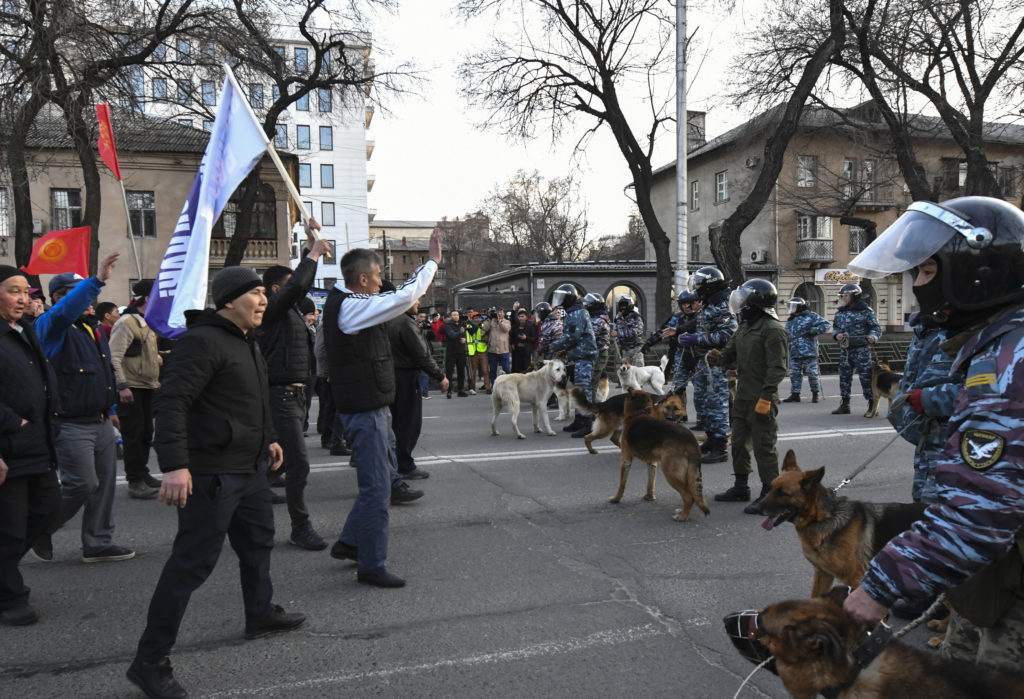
226, 410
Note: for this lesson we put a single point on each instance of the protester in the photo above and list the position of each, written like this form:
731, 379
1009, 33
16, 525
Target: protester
855, 328
580, 346
310, 314
456, 353
36, 305
215, 441
108, 315
363, 381
136, 362
522, 339
86, 446
758, 351
803, 327
29, 491
970, 543
496, 329
427, 333
629, 330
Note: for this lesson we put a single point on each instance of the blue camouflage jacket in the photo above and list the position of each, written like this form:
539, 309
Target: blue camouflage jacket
715, 324
602, 329
577, 339
927, 368
630, 329
803, 330
980, 478
550, 331
857, 321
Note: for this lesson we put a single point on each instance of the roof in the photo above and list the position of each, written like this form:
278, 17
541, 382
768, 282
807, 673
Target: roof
398, 223
596, 267
133, 132
409, 244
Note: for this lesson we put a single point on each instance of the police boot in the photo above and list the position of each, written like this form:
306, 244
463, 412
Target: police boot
754, 508
586, 424
814, 397
715, 453
794, 398
737, 493
574, 425
844, 408
699, 426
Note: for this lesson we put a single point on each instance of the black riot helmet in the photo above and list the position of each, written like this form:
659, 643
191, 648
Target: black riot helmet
978, 243
759, 294
853, 290
592, 301
797, 306
684, 297
565, 296
706, 281
543, 309
624, 304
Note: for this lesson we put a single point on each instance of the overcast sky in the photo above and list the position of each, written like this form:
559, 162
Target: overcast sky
431, 161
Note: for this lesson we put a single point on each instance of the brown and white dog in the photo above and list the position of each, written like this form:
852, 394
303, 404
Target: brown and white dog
645, 378
884, 383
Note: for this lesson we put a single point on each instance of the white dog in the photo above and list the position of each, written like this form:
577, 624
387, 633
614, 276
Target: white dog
567, 404
534, 389
647, 378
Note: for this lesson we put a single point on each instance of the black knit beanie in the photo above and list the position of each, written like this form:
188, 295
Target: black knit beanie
232, 282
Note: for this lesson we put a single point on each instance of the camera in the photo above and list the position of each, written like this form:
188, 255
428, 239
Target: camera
492, 312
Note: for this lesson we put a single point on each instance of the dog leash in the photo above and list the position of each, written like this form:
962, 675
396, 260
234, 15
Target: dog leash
856, 472
747, 679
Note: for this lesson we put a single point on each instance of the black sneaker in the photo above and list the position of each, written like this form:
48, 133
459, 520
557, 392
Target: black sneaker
384, 579
152, 482
19, 616
277, 620
402, 493
111, 553
307, 538
43, 547
737, 493
156, 680
343, 551
416, 474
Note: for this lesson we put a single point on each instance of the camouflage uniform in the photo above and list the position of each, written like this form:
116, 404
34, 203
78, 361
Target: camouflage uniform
550, 331
803, 330
715, 325
857, 322
578, 343
973, 538
927, 370
602, 336
630, 330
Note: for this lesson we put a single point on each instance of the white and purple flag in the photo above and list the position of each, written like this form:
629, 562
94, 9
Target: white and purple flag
236, 145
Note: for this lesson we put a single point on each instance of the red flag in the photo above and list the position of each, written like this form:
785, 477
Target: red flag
106, 145
61, 251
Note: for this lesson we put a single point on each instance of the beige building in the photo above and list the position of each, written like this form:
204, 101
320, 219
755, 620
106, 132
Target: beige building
839, 179
159, 160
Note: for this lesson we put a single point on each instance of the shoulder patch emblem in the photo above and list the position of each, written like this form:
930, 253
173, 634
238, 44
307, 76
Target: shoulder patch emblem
981, 448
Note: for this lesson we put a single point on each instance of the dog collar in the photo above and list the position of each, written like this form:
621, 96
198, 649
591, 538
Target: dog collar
868, 647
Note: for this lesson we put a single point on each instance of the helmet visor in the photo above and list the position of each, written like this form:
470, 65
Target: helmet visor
794, 306
914, 237
738, 300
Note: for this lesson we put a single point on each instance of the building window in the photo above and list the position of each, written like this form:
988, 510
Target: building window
256, 96
694, 247
301, 60
327, 213
694, 195
142, 214
209, 93
326, 138
160, 53
185, 122
138, 86
160, 89
806, 171
207, 125
184, 92
327, 176
302, 103
858, 239
1007, 182
305, 175
813, 227
276, 92
302, 137
849, 177
207, 51
5, 214
722, 186
323, 99
184, 51
405, 259
66, 207
309, 206
281, 136
867, 180
279, 50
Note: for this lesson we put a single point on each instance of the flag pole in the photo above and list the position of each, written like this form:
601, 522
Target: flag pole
131, 234
273, 153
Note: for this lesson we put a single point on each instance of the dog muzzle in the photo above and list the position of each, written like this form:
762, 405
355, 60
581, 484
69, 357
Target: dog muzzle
744, 629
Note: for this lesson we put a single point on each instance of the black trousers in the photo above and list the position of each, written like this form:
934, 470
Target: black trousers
137, 432
234, 506
288, 411
455, 362
407, 417
28, 506
521, 359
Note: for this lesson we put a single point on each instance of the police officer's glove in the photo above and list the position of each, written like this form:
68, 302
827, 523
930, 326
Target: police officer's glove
914, 399
812, 332
687, 340
714, 358
763, 409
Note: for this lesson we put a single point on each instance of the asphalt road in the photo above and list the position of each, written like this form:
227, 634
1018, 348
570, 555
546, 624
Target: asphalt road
523, 580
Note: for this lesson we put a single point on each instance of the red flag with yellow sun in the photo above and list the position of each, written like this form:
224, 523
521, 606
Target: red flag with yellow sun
61, 251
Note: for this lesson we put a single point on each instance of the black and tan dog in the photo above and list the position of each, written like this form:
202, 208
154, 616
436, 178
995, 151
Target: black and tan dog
608, 414
813, 644
838, 536
884, 383
657, 441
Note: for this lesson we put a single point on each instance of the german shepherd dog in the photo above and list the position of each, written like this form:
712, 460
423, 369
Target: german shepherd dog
655, 441
608, 414
838, 536
884, 382
812, 642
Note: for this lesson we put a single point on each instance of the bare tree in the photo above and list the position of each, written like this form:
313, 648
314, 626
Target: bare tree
469, 251
553, 61
628, 246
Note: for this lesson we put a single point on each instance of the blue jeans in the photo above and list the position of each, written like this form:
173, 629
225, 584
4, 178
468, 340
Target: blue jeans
492, 363
87, 462
425, 385
369, 436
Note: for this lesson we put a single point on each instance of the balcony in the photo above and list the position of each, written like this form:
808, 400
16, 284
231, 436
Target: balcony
257, 250
814, 250
876, 200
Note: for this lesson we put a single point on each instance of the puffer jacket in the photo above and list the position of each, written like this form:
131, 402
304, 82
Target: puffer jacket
28, 392
142, 370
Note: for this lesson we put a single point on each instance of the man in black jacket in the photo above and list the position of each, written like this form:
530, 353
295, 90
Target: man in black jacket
29, 491
456, 355
412, 360
214, 441
287, 346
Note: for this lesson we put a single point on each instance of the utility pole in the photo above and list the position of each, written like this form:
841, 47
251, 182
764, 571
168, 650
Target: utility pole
682, 126
387, 256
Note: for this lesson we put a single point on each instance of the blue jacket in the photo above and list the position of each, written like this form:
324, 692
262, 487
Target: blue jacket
602, 329
928, 369
858, 322
577, 341
80, 357
715, 324
803, 330
630, 330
